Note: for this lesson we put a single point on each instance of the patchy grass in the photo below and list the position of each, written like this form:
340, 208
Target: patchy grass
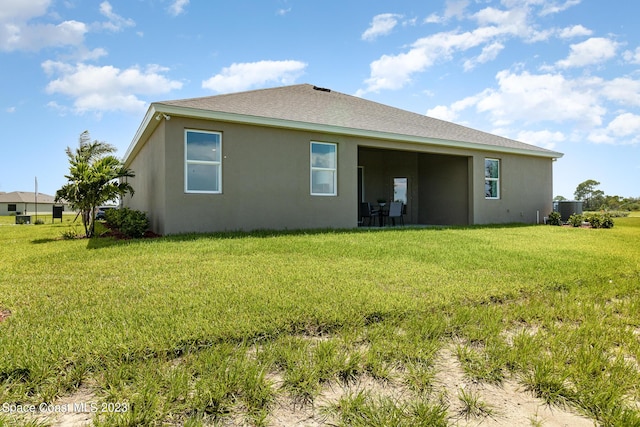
199, 329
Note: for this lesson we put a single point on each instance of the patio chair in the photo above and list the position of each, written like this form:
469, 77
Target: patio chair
395, 211
366, 213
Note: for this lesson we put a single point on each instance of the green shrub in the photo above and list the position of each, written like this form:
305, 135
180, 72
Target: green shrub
599, 220
554, 218
131, 223
594, 219
576, 220
114, 217
71, 233
135, 223
607, 221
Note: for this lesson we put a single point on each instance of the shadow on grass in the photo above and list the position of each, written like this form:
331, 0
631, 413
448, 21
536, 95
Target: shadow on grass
41, 241
106, 242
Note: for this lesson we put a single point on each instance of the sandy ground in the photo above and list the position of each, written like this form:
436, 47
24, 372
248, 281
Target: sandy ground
508, 404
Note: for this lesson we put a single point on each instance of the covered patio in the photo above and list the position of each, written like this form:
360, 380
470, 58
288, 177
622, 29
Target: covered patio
435, 188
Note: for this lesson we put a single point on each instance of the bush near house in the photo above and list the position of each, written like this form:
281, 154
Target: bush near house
131, 223
595, 219
554, 218
599, 219
576, 220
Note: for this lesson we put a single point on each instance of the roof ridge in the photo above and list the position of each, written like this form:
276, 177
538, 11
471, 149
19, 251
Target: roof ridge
197, 98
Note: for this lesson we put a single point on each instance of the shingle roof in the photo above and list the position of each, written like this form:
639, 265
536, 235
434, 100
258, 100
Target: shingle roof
24, 197
304, 103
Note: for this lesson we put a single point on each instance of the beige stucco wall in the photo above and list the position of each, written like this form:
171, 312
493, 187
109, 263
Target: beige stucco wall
149, 182
526, 190
266, 181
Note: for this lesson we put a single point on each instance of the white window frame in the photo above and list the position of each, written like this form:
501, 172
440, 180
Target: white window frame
496, 179
188, 162
313, 169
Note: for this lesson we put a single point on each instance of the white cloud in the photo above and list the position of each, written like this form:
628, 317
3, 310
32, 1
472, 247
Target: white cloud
622, 90
20, 36
555, 7
626, 124
592, 51
116, 22
623, 129
453, 9
283, 12
243, 76
450, 114
522, 99
575, 31
632, 57
91, 55
381, 25
434, 19
533, 98
544, 138
10, 110
107, 88
394, 71
178, 7
495, 26
489, 53
21, 10
17, 33
542, 97
442, 112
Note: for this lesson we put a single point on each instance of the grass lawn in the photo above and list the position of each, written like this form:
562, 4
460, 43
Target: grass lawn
205, 329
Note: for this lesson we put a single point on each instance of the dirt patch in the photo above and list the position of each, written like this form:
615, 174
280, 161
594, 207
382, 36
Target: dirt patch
288, 413
508, 403
4, 313
75, 410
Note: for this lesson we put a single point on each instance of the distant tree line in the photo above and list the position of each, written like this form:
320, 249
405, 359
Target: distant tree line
594, 199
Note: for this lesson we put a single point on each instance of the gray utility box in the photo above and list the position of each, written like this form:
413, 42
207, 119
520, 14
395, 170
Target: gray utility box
23, 219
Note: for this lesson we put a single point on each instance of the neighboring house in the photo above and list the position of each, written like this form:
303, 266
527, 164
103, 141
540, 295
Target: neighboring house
24, 203
299, 156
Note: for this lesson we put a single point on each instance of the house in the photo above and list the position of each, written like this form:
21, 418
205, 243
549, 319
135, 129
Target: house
301, 156
24, 203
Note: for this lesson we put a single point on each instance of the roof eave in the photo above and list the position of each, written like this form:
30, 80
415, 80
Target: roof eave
290, 124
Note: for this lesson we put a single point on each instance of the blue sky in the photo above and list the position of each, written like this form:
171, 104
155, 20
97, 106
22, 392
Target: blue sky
561, 74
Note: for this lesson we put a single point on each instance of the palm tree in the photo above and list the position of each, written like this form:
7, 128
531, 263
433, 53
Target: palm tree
95, 177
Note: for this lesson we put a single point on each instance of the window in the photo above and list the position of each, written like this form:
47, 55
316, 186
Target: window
400, 190
323, 169
12, 207
203, 164
491, 178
